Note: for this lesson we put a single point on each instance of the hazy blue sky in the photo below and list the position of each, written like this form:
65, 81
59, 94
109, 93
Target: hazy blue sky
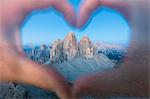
45, 26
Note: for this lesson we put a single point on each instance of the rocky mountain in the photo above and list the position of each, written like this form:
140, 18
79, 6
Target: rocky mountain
86, 48
70, 46
56, 52
79, 66
64, 50
73, 58
39, 54
112, 51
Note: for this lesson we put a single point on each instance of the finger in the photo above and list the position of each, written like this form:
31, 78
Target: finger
98, 85
61, 5
43, 77
90, 6
18, 42
108, 84
86, 9
67, 10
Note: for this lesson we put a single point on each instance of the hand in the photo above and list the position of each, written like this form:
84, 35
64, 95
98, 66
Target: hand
132, 77
14, 66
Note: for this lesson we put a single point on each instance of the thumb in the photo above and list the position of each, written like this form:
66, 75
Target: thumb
43, 77
61, 5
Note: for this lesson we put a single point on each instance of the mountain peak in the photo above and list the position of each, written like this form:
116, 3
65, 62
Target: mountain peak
70, 47
86, 47
56, 54
70, 37
71, 33
86, 39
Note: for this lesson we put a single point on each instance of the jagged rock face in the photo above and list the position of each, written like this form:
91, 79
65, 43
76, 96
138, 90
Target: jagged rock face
56, 54
86, 48
70, 47
44, 54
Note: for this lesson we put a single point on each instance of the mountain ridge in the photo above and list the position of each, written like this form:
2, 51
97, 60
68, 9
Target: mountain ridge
69, 48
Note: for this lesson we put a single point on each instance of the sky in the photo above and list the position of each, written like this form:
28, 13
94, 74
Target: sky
105, 25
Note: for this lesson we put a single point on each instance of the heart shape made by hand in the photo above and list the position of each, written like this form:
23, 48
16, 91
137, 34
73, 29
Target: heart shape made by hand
40, 30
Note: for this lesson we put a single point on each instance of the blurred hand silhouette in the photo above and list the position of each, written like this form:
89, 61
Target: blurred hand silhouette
14, 66
131, 78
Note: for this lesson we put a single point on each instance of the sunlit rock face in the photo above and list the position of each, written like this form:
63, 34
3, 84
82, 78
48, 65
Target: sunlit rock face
70, 46
56, 52
69, 49
86, 48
